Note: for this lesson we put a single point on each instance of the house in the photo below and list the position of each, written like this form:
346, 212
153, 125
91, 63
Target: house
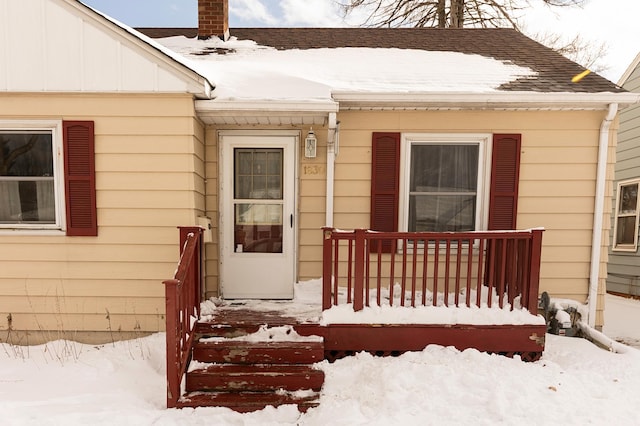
623, 269
111, 140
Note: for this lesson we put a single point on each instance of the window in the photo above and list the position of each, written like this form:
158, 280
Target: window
425, 181
47, 176
443, 183
626, 217
31, 186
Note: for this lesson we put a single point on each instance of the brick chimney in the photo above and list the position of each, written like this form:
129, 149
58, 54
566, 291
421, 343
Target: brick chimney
213, 19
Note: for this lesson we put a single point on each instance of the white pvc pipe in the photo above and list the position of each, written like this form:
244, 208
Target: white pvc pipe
596, 239
332, 138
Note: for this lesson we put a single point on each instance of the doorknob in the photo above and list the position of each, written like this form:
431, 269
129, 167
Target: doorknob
291, 220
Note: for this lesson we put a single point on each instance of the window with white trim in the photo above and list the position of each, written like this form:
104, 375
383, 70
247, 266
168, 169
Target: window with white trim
625, 232
31, 177
443, 180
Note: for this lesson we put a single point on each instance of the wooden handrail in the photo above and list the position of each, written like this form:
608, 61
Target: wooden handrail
182, 295
502, 267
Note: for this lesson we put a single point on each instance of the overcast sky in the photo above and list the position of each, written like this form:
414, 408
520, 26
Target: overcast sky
597, 22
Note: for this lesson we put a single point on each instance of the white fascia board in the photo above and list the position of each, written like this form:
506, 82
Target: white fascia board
494, 100
627, 73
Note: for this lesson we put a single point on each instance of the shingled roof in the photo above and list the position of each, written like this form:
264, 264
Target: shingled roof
554, 71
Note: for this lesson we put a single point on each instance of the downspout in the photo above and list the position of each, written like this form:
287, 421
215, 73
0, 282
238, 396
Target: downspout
332, 143
596, 240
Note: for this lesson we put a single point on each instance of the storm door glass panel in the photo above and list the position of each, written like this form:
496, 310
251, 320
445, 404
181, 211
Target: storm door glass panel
258, 200
627, 212
27, 194
443, 187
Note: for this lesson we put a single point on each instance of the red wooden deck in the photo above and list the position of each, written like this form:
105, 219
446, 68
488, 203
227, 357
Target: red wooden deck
383, 339
502, 267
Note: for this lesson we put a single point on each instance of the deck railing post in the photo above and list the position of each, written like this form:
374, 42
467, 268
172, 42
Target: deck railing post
534, 270
327, 243
194, 282
182, 298
172, 345
358, 274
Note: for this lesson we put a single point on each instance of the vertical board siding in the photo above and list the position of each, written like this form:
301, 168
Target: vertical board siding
72, 51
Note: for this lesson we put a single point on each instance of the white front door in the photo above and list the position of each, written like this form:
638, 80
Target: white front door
257, 216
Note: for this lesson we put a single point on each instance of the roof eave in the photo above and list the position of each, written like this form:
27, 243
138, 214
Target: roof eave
492, 100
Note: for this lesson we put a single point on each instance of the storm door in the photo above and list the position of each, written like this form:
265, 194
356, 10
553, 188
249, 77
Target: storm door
258, 192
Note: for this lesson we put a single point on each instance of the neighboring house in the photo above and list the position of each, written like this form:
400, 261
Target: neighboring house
110, 141
623, 269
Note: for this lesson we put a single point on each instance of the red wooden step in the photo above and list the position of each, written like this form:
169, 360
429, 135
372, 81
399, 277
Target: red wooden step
242, 352
244, 402
225, 330
245, 378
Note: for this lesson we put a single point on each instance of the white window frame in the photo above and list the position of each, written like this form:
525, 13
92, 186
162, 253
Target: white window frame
625, 247
483, 140
55, 127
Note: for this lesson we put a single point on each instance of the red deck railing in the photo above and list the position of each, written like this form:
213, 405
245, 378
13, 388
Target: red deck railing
182, 294
440, 269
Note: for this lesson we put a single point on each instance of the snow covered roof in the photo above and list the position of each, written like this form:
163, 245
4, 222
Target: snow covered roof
385, 68
283, 72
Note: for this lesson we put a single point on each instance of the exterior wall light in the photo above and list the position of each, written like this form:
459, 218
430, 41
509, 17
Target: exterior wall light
310, 143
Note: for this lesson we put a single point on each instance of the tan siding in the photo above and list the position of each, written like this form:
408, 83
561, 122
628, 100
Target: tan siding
557, 177
112, 327
574, 221
158, 144
118, 271
312, 204
150, 180
81, 305
144, 181
540, 188
144, 163
153, 199
82, 252
556, 204
557, 183
31, 287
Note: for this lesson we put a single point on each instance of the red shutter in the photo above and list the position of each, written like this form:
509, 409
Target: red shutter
79, 178
505, 172
385, 178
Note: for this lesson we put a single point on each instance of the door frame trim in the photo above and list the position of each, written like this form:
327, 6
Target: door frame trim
220, 134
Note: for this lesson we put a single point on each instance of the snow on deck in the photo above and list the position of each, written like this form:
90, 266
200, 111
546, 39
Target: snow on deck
307, 307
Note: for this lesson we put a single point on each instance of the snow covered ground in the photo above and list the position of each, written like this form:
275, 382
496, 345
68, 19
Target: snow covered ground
575, 383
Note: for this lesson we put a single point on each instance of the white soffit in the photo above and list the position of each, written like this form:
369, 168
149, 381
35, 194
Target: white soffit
264, 112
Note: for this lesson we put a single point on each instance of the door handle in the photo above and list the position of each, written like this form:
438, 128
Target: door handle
291, 220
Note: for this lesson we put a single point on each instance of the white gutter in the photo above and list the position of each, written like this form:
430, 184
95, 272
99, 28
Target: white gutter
496, 99
596, 240
332, 141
